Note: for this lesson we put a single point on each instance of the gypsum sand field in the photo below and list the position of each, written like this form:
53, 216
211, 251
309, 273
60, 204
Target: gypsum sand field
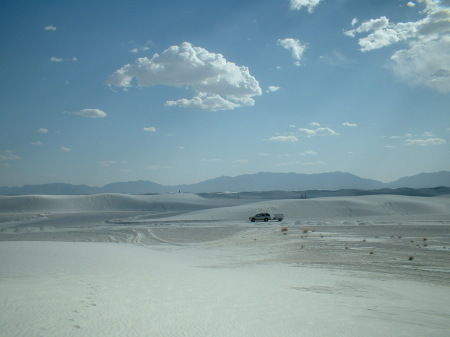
347, 266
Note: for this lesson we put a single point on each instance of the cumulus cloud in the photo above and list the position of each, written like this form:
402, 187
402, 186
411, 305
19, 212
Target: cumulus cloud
150, 129
65, 149
218, 84
309, 4
425, 60
295, 46
425, 142
317, 132
42, 130
50, 28
283, 139
91, 113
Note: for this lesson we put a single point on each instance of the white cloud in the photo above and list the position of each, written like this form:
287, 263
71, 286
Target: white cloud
295, 46
58, 59
50, 28
354, 22
150, 129
272, 88
298, 4
8, 155
91, 113
407, 135
37, 143
283, 139
218, 84
349, 124
204, 101
263, 154
315, 123
425, 142
309, 153
42, 130
141, 48
425, 60
65, 149
411, 4
317, 132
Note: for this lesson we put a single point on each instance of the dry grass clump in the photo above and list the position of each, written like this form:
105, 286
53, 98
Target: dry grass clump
284, 229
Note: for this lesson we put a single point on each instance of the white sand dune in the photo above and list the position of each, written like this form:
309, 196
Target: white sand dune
104, 203
377, 205
334, 207
345, 266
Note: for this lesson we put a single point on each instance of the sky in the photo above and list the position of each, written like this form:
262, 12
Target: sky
178, 92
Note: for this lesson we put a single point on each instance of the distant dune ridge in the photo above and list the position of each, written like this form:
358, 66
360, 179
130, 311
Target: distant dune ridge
200, 208
263, 181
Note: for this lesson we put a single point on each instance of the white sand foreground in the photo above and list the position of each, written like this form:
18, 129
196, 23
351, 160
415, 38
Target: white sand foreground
353, 266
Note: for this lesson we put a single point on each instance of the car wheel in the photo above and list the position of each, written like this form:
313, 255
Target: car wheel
265, 219
253, 219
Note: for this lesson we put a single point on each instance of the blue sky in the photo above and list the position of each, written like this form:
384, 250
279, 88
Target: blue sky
175, 92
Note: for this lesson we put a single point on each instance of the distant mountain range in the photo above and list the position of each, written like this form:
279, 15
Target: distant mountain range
263, 181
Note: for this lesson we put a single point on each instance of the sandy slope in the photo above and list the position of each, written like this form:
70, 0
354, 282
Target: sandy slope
294, 208
106, 202
350, 266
